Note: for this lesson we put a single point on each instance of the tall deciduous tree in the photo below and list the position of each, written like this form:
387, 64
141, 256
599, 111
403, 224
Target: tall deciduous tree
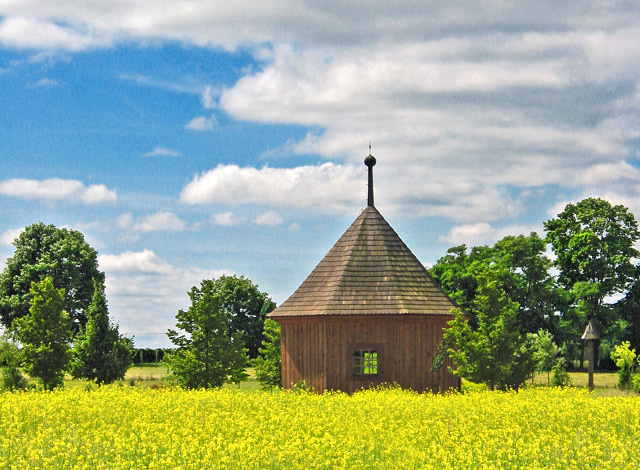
100, 352
594, 246
47, 251
207, 355
45, 334
519, 267
245, 309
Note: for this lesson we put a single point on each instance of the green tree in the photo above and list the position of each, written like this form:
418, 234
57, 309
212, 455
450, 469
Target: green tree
268, 364
546, 352
594, 246
494, 352
245, 309
47, 251
520, 269
100, 352
45, 334
12, 378
207, 355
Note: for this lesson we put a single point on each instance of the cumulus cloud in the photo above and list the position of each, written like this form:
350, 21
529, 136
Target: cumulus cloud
328, 187
32, 33
56, 189
8, 236
228, 219
201, 123
146, 291
163, 152
160, 221
483, 233
270, 219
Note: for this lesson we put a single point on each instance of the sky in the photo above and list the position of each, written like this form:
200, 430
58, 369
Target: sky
191, 139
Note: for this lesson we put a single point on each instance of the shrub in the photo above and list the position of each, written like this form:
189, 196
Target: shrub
560, 376
625, 358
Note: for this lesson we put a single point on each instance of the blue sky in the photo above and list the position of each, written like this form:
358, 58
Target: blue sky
191, 139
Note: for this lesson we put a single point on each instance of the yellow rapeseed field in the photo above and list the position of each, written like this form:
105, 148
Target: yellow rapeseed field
131, 428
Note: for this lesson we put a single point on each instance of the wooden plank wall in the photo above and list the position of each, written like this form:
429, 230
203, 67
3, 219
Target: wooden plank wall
319, 351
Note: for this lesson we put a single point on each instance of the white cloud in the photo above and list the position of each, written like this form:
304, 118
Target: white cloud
163, 152
31, 33
145, 291
8, 236
228, 219
144, 261
295, 227
47, 83
482, 233
270, 219
56, 189
328, 187
208, 100
201, 123
160, 221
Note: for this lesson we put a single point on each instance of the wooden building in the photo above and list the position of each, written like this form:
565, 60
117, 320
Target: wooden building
368, 314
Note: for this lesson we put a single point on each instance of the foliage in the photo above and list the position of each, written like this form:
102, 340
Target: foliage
560, 376
45, 334
47, 251
546, 352
100, 352
208, 355
594, 244
12, 378
114, 427
494, 352
268, 365
519, 268
245, 309
625, 359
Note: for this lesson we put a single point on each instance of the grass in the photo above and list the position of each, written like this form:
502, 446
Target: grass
158, 375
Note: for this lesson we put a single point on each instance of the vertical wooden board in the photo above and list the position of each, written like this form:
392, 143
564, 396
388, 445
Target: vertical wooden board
332, 364
345, 378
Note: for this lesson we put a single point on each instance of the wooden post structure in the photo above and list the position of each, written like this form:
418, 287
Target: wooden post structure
591, 335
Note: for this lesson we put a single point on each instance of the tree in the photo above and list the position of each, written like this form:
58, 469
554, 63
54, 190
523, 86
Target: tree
546, 352
594, 246
100, 352
494, 352
46, 251
45, 334
518, 266
245, 309
12, 378
207, 355
268, 365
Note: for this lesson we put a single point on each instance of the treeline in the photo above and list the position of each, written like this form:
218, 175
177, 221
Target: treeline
515, 290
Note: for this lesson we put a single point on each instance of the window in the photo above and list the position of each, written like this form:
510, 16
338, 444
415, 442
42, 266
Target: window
365, 362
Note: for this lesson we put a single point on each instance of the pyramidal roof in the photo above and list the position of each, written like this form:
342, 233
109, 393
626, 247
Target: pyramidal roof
368, 271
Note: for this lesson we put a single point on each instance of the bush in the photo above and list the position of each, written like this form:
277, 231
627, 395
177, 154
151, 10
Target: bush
560, 376
625, 358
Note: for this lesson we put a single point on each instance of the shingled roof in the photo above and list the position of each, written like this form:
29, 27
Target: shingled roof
368, 271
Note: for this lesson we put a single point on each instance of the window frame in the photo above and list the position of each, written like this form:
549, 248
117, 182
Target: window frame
366, 347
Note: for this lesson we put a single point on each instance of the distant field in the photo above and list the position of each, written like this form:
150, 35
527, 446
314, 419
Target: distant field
129, 427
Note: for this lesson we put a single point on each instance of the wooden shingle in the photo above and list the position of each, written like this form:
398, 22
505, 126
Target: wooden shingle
369, 271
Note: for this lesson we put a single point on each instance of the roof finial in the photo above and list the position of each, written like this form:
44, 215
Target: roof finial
370, 161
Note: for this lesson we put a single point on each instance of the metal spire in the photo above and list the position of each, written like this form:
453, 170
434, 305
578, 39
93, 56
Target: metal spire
370, 161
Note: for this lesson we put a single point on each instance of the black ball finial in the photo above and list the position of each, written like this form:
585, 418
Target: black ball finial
370, 161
